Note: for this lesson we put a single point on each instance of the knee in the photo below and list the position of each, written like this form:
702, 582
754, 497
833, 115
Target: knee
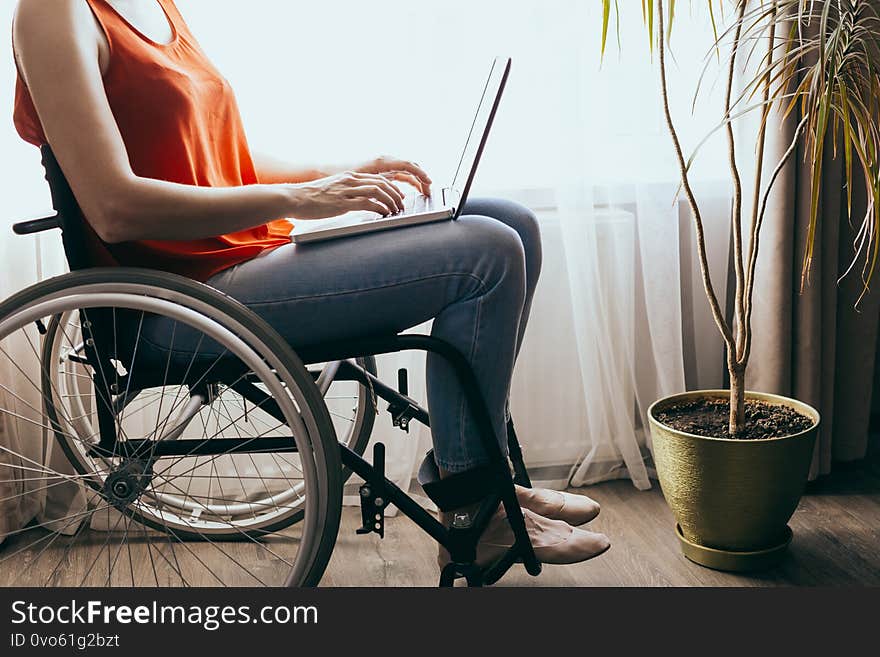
498, 253
522, 220
526, 225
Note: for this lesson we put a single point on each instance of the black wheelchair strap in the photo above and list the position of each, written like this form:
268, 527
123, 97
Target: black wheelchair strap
457, 490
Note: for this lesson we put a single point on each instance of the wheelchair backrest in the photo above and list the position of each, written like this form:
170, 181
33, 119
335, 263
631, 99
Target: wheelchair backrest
83, 250
82, 247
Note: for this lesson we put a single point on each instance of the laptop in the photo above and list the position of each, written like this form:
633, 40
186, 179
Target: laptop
443, 204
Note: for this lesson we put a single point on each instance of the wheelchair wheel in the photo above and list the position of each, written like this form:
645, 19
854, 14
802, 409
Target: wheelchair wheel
193, 438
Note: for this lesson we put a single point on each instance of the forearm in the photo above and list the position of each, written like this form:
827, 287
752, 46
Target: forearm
273, 170
146, 209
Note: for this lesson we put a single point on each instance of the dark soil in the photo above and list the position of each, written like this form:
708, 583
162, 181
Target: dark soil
709, 417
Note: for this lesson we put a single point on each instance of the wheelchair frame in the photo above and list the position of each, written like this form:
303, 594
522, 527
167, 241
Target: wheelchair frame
491, 485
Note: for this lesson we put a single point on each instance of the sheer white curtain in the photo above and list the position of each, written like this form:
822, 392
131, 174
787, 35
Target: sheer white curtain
618, 320
641, 326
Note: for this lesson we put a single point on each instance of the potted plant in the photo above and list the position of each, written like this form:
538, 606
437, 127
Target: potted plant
733, 463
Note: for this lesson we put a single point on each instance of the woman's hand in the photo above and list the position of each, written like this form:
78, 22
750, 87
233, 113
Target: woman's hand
400, 170
345, 192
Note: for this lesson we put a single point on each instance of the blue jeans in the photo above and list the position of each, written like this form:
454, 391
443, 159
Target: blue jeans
475, 277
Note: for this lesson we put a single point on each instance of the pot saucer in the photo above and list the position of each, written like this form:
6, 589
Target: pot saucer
731, 560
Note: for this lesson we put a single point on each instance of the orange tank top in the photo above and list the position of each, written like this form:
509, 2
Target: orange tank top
180, 122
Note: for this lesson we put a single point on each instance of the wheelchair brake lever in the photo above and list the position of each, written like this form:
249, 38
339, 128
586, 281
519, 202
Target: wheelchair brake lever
404, 409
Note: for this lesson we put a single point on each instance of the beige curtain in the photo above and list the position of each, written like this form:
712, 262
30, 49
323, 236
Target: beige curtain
817, 345
37, 484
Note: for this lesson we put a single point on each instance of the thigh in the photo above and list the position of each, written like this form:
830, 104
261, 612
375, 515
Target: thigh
517, 216
379, 283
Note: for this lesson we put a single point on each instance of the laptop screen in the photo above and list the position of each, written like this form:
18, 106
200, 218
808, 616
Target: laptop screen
479, 127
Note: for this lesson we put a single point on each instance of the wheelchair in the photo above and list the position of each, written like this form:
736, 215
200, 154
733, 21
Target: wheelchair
204, 447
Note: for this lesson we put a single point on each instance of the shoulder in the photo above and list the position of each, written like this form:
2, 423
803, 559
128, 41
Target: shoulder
47, 24
56, 29
31, 15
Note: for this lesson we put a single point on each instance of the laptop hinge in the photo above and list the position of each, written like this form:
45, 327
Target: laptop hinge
450, 198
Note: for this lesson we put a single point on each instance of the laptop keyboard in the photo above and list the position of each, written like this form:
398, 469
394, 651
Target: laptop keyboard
414, 203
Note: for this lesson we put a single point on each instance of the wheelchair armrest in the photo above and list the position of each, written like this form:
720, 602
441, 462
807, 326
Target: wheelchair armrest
36, 225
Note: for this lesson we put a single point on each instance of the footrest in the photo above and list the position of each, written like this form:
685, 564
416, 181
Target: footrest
457, 490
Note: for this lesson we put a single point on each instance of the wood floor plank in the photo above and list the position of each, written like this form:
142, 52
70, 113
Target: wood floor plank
836, 543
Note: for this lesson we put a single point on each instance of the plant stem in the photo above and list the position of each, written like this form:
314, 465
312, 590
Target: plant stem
757, 235
745, 344
737, 398
736, 219
718, 316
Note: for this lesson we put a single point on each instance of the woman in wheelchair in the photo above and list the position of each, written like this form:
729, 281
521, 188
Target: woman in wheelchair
149, 137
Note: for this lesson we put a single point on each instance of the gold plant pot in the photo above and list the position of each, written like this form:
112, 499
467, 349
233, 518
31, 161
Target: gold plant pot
732, 499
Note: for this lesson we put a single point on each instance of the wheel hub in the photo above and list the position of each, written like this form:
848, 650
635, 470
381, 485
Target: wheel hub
126, 483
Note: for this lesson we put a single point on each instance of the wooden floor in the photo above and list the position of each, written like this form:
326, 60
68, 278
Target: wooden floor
836, 543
